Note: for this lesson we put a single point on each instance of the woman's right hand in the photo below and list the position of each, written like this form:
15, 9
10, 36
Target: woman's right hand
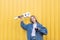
21, 18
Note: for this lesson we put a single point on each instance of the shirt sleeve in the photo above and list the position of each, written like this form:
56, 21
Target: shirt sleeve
43, 30
23, 25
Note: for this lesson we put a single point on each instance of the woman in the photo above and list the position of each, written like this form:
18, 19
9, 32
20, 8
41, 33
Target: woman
35, 30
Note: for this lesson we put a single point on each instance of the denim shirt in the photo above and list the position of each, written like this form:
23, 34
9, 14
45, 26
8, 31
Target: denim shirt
39, 33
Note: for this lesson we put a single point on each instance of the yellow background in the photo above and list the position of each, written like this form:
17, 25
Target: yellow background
46, 11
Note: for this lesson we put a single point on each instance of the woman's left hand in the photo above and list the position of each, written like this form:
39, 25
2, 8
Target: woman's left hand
37, 29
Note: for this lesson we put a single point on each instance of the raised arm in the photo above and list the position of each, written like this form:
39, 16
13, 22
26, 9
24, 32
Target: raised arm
23, 25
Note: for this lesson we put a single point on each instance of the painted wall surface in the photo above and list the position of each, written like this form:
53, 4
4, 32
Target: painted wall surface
46, 12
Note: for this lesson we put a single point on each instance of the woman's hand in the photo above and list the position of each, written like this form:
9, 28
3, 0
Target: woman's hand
37, 29
21, 18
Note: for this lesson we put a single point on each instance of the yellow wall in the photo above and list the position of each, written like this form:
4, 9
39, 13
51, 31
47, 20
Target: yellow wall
46, 12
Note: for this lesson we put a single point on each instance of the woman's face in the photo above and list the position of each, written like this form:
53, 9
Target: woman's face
33, 19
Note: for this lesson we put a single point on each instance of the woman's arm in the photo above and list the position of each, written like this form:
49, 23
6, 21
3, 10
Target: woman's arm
23, 25
41, 29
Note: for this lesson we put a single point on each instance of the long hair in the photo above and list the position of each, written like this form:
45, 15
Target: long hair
35, 19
